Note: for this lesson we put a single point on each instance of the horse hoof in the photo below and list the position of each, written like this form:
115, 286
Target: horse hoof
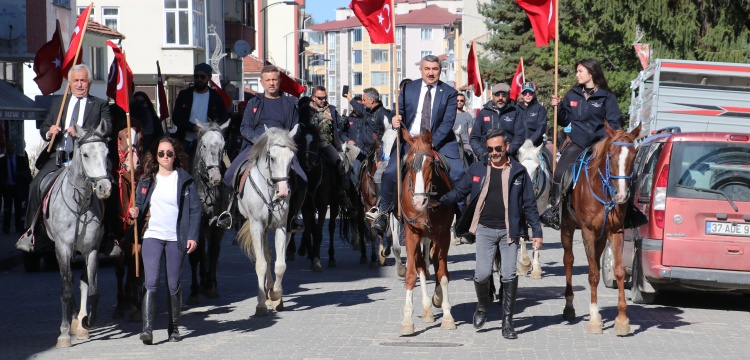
401, 271
381, 254
332, 263
536, 273
63, 342
193, 300
374, 265
315, 267
437, 301
406, 329
261, 310
88, 322
82, 334
427, 316
274, 295
595, 328
277, 305
622, 329
569, 313
73, 326
448, 324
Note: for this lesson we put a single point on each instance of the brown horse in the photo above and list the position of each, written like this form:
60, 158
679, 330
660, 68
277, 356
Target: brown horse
598, 209
425, 178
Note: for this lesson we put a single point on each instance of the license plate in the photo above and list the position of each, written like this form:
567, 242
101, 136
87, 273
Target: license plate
727, 228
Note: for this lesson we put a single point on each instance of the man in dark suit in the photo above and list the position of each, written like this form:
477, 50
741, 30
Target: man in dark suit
15, 176
424, 105
80, 108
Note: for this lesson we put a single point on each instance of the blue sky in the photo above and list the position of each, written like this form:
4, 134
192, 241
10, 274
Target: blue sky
324, 10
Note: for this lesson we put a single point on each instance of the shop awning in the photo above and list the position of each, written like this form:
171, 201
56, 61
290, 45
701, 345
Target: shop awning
14, 105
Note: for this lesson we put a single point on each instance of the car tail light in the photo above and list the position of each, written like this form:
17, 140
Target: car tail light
660, 196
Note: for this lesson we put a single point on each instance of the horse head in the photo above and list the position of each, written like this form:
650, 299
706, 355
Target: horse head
279, 155
529, 157
123, 147
420, 161
91, 155
620, 156
209, 152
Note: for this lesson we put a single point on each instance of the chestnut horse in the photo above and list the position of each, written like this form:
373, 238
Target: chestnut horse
599, 196
424, 178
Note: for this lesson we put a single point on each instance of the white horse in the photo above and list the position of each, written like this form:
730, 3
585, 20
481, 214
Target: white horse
541, 177
264, 202
75, 224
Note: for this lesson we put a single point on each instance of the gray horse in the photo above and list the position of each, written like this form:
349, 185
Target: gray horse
212, 192
74, 223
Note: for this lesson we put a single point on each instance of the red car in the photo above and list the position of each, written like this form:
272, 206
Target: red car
694, 188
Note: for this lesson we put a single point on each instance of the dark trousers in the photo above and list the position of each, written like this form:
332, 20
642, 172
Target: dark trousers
13, 197
35, 199
567, 157
153, 251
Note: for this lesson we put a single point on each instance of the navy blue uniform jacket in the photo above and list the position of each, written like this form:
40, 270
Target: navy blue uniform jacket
371, 123
488, 119
521, 201
534, 120
252, 129
587, 117
444, 107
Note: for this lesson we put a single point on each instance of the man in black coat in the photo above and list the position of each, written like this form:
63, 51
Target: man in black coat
15, 176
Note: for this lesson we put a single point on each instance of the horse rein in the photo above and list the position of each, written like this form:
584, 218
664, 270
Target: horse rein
89, 139
271, 181
413, 220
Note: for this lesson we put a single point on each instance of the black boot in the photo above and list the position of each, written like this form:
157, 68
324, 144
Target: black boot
148, 310
510, 290
483, 303
175, 307
381, 223
551, 216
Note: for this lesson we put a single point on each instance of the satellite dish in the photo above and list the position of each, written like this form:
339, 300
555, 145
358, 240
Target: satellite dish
242, 48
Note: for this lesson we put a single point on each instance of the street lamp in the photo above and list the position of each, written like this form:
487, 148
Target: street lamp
265, 26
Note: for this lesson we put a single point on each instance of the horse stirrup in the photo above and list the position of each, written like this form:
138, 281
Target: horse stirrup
225, 220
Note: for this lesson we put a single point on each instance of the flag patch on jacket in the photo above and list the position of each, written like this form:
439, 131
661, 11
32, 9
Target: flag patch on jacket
574, 103
475, 179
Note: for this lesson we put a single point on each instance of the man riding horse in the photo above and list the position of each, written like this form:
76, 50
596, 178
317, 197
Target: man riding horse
82, 109
372, 123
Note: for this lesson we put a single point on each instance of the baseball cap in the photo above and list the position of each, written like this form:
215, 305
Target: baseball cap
528, 86
500, 87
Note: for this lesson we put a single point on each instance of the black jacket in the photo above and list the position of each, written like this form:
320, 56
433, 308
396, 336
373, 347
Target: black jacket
184, 104
521, 205
489, 117
306, 116
189, 217
586, 117
251, 127
371, 124
534, 120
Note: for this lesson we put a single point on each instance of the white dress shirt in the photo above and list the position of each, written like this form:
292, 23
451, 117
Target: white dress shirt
416, 124
68, 115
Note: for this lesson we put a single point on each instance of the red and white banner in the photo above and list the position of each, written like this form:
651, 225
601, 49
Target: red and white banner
120, 79
75, 40
472, 68
377, 17
541, 13
644, 53
517, 83
224, 96
48, 64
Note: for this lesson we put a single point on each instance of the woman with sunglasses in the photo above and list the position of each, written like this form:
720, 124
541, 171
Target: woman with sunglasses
169, 212
585, 108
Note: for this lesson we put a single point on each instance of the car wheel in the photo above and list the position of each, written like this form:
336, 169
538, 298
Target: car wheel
638, 296
608, 267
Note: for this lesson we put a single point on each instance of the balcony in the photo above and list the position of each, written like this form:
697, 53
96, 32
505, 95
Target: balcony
237, 31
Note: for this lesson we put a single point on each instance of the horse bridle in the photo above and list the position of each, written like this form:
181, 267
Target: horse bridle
270, 182
88, 139
413, 220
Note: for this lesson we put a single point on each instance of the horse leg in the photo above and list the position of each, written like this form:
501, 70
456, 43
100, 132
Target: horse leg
92, 292
622, 323
376, 259
566, 238
194, 258
317, 241
135, 288
441, 273
536, 269
121, 285
421, 264
400, 267
280, 242
426, 256
524, 263
331, 234
66, 293
593, 248
81, 332
410, 279
214, 248
261, 267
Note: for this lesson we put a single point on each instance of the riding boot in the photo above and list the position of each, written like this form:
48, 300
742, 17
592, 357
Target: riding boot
175, 307
510, 290
381, 223
148, 310
551, 216
483, 303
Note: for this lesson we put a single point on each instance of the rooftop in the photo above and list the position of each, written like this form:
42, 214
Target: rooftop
430, 15
100, 29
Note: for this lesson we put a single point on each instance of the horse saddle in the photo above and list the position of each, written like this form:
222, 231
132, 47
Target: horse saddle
239, 176
45, 187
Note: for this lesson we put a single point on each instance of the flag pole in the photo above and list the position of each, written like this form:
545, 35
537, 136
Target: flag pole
523, 73
554, 125
136, 246
397, 203
67, 88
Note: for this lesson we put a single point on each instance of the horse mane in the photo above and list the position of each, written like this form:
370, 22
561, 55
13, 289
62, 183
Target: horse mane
271, 136
210, 126
421, 146
599, 153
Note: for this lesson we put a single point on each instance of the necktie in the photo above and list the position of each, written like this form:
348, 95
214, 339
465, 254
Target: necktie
424, 125
68, 147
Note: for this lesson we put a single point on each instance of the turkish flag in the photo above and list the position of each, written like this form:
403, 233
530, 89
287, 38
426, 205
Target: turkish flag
517, 83
163, 107
120, 79
541, 13
75, 40
377, 17
48, 62
224, 96
643, 53
288, 85
472, 68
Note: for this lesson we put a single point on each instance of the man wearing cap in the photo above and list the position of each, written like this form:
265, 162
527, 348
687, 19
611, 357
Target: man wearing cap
198, 103
498, 113
533, 116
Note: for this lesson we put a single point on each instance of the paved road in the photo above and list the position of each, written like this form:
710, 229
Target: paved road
353, 312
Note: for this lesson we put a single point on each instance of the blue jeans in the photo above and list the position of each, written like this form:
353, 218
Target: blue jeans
153, 251
487, 241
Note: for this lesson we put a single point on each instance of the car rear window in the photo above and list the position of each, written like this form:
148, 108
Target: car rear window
710, 166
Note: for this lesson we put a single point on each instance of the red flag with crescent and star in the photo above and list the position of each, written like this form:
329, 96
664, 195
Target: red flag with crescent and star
75, 40
377, 17
119, 82
541, 13
48, 64
517, 83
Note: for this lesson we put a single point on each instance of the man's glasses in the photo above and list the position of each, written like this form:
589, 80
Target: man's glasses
321, 98
169, 153
463, 101
496, 148
199, 76
501, 93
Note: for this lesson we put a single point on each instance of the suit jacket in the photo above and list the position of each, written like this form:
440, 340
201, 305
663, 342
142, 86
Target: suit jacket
96, 111
443, 114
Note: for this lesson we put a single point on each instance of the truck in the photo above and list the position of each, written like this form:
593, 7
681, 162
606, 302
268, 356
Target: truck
691, 96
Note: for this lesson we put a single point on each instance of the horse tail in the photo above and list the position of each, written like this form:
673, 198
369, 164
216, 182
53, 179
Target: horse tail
245, 240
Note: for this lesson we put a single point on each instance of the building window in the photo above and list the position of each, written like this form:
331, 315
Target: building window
65, 3
315, 38
357, 56
357, 79
399, 32
398, 57
249, 15
332, 62
379, 78
424, 53
317, 79
331, 82
379, 56
96, 63
426, 34
199, 24
357, 34
111, 17
179, 14
384, 100
331, 41
91, 14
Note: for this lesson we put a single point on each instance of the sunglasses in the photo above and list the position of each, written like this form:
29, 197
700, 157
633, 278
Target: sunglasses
501, 93
527, 93
461, 100
321, 97
496, 148
199, 76
169, 154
